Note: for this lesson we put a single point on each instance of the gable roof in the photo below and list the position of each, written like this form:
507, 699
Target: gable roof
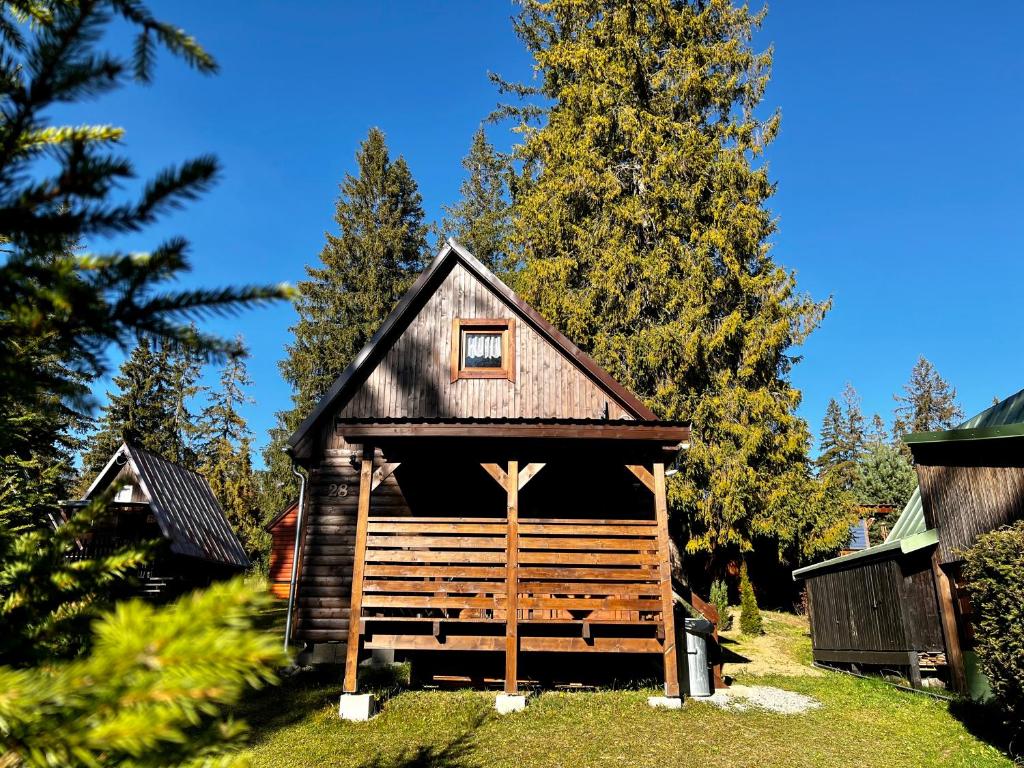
396, 322
182, 502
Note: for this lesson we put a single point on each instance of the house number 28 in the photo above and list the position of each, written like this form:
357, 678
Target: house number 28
337, 489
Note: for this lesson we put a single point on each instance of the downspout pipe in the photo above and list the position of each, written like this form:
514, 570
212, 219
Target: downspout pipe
295, 553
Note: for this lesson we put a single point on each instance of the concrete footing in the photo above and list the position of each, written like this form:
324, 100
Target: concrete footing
358, 707
665, 702
509, 702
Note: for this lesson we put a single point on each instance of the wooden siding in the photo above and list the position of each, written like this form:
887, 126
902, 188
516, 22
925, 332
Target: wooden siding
877, 606
413, 378
282, 547
962, 502
327, 550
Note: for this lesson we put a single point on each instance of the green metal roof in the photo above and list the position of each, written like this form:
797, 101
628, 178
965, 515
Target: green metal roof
911, 520
1004, 419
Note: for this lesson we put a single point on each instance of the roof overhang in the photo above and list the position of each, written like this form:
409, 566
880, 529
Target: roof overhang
889, 549
674, 434
964, 435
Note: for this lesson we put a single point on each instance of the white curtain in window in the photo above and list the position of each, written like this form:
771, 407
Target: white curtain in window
484, 345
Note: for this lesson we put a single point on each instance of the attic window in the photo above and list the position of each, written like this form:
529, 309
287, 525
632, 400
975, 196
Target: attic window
124, 493
483, 349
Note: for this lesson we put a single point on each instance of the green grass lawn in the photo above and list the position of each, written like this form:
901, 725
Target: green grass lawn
861, 723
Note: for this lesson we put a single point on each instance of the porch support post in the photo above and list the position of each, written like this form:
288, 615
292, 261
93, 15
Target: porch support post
954, 654
665, 567
358, 567
512, 580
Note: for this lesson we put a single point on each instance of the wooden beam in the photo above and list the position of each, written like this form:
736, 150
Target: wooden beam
643, 475
362, 519
383, 472
512, 579
947, 613
528, 472
499, 475
666, 434
665, 564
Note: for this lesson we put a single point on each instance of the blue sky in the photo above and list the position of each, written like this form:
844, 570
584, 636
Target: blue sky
898, 166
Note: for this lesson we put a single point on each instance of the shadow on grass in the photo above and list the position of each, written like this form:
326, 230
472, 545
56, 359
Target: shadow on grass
455, 754
728, 656
987, 723
294, 700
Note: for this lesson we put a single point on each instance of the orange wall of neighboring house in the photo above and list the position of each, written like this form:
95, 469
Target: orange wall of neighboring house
282, 545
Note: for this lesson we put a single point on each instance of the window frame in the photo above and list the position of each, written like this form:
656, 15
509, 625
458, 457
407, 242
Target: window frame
507, 328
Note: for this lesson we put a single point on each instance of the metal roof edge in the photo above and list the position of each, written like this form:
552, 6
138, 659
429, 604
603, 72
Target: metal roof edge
965, 435
842, 560
919, 541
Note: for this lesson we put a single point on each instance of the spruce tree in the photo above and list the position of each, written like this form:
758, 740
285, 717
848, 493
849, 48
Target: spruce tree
842, 440
877, 433
481, 220
157, 685
225, 456
927, 403
365, 269
149, 408
750, 614
884, 476
641, 222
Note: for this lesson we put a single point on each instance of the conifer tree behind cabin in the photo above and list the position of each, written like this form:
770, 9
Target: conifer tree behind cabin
641, 223
365, 268
481, 221
926, 404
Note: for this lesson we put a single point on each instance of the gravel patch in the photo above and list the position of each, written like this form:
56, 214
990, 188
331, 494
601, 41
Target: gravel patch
743, 697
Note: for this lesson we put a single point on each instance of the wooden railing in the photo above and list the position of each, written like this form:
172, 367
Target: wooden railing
570, 570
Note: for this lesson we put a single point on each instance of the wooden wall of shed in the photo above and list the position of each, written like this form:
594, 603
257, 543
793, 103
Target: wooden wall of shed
879, 605
962, 502
327, 550
414, 376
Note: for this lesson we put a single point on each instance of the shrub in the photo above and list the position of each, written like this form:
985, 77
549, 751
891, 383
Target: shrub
720, 599
750, 614
995, 577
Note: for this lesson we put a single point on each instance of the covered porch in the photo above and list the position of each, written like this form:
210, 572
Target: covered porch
513, 537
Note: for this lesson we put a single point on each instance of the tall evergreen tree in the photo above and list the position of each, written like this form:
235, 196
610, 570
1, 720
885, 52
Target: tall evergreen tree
877, 433
149, 408
641, 221
225, 456
927, 403
842, 440
481, 221
366, 268
157, 685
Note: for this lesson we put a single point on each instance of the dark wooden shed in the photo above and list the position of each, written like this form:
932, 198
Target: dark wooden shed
158, 500
477, 484
903, 601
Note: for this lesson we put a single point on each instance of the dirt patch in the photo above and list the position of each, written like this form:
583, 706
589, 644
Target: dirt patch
784, 648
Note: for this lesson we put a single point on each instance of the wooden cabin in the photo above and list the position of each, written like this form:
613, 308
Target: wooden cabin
157, 500
282, 547
903, 603
478, 485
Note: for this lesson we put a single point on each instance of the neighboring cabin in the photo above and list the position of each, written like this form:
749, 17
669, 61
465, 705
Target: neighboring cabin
903, 603
157, 500
282, 546
479, 486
